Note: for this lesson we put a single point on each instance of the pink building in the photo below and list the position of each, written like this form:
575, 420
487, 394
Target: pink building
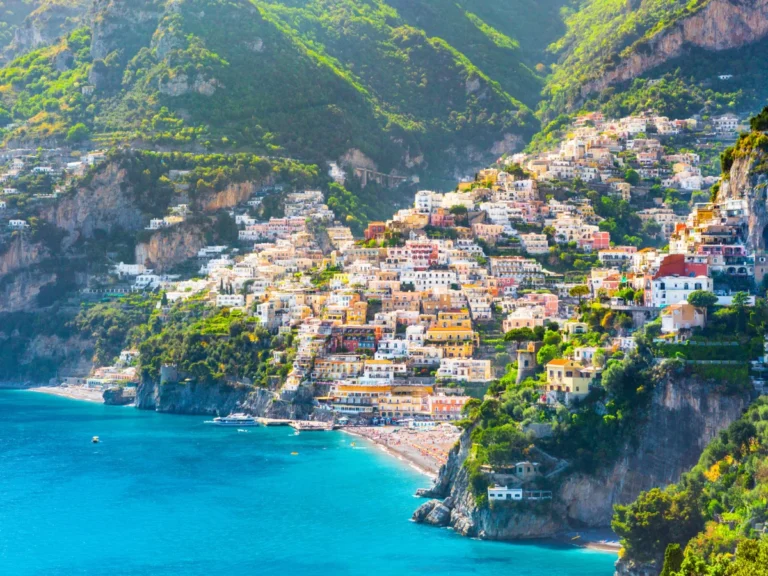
443, 407
550, 302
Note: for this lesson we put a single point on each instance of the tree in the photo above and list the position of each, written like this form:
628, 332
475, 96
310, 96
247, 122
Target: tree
702, 299
673, 560
760, 122
740, 300
520, 335
552, 338
655, 520
547, 354
632, 177
78, 133
598, 359
579, 291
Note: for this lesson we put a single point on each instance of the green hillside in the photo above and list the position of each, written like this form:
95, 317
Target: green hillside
311, 79
429, 86
599, 33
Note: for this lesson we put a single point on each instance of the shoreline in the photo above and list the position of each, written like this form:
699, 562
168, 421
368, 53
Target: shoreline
419, 464
82, 394
589, 540
594, 539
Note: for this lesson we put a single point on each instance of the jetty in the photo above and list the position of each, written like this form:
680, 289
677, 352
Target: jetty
273, 421
310, 426
300, 425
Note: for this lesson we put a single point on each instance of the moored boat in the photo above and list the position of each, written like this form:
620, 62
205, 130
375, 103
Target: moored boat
239, 420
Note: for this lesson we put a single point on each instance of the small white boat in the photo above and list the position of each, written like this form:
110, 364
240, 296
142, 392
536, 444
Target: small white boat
242, 431
240, 420
95, 440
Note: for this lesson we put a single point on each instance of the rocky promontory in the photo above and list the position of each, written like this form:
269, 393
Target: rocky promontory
686, 413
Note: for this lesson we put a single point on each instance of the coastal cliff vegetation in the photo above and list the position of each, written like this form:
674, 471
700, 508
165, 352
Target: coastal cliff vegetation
717, 510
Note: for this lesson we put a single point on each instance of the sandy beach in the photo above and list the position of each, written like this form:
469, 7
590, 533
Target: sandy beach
73, 392
426, 450
594, 539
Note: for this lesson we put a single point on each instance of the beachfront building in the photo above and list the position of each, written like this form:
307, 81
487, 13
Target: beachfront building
444, 407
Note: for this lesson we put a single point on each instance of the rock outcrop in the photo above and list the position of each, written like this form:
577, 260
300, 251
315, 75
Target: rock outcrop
21, 253
170, 246
232, 195
223, 398
20, 290
684, 416
748, 180
46, 24
106, 202
720, 25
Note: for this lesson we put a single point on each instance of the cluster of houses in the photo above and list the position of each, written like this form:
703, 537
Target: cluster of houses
21, 163
601, 150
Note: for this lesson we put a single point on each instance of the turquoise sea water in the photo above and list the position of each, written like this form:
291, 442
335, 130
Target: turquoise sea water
167, 495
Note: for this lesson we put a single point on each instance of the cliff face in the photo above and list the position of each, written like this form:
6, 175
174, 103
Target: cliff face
194, 398
20, 254
748, 182
685, 415
169, 247
20, 291
49, 21
232, 195
107, 202
720, 25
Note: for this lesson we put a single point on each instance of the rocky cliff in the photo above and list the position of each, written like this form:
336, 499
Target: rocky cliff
49, 21
20, 290
223, 398
720, 25
105, 203
171, 246
21, 253
684, 416
747, 180
232, 195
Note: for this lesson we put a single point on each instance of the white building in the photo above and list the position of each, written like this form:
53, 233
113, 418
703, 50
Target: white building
230, 300
504, 493
17, 224
727, 123
674, 289
534, 243
428, 279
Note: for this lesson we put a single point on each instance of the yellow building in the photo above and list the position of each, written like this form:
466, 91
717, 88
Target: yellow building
356, 315
450, 335
405, 401
454, 319
456, 350
335, 313
338, 367
565, 375
355, 399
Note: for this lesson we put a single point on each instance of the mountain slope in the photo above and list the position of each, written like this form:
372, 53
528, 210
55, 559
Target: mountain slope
312, 79
28, 24
610, 43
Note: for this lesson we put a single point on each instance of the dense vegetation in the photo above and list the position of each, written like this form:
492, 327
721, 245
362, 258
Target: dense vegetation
722, 501
599, 34
210, 345
323, 78
589, 434
712, 510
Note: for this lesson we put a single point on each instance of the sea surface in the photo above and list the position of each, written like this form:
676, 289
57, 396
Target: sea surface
168, 495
